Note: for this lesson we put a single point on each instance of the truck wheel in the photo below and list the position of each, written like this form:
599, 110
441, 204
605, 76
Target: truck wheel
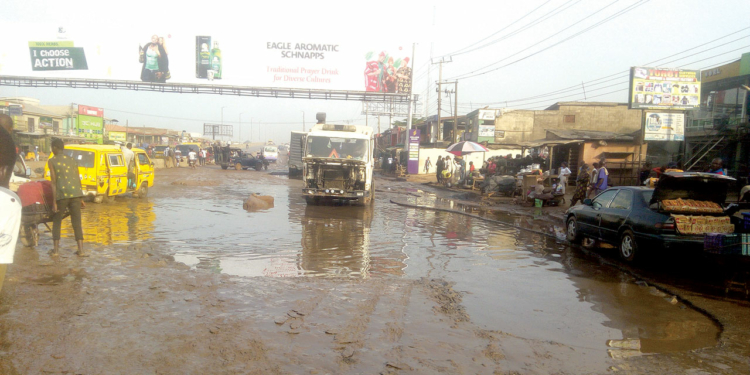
258, 167
628, 247
572, 233
30, 235
238, 166
224, 166
311, 201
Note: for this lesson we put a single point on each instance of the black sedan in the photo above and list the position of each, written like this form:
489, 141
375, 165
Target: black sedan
631, 217
243, 160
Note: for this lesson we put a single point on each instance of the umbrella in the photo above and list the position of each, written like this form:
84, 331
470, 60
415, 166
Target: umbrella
465, 147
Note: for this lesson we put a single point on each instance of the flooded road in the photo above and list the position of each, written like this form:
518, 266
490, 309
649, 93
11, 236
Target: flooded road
525, 301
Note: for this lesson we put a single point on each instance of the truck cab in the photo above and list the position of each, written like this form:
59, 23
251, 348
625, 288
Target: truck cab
337, 164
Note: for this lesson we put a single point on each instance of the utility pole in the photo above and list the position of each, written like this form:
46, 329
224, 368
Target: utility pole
378, 124
440, 91
455, 111
411, 84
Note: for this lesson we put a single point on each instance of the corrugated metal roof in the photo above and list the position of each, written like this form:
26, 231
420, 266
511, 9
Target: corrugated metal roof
589, 135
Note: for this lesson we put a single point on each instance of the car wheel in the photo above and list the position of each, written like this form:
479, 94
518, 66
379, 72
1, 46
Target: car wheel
238, 166
628, 246
572, 232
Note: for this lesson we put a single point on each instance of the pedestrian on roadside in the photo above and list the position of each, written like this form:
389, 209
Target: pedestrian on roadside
66, 195
427, 165
564, 173
582, 185
36, 153
717, 167
592, 180
439, 166
492, 168
471, 166
10, 203
129, 157
192, 158
177, 157
167, 157
603, 177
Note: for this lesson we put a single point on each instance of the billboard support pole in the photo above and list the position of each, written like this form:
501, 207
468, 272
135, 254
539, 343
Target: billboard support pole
411, 84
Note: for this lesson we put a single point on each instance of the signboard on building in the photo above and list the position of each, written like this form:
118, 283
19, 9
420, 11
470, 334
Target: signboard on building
662, 126
499, 134
185, 53
117, 136
90, 111
661, 88
413, 163
486, 131
91, 127
45, 122
15, 110
487, 114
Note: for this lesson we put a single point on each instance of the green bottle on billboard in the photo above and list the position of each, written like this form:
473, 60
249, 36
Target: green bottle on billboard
202, 56
216, 60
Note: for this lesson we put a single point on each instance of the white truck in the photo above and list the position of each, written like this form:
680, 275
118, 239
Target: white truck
337, 164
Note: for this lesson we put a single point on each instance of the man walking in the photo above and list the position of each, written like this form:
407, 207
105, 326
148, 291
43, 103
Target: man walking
564, 173
66, 194
129, 156
427, 165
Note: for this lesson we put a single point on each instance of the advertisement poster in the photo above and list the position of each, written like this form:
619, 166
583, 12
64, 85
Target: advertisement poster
664, 127
45, 122
487, 131
661, 88
117, 136
413, 164
184, 53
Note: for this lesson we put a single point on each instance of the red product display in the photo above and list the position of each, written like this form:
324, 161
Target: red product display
35, 192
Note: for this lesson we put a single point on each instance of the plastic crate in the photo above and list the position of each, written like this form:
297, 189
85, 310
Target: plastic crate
724, 244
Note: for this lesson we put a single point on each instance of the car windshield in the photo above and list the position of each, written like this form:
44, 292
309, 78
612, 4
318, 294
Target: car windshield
647, 195
270, 149
336, 148
84, 159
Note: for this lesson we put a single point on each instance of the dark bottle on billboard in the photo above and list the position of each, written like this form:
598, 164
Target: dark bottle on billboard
202, 56
216, 60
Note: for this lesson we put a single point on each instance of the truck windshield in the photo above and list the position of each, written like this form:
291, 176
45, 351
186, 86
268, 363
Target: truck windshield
84, 159
336, 148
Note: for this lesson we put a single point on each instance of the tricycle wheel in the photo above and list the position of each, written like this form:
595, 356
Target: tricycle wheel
143, 192
99, 199
30, 235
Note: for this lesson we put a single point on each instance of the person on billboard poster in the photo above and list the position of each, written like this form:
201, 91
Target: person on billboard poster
374, 74
389, 78
155, 62
404, 77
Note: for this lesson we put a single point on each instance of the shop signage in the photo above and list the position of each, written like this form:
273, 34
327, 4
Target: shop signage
662, 126
15, 110
91, 127
117, 136
413, 164
661, 88
487, 114
499, 133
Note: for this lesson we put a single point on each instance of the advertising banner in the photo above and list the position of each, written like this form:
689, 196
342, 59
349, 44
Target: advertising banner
91, 127
117, 136
15, 110
45, 122
185, 53
487, 114
486, 133
661, 88
90, 111
664, 126
413, 163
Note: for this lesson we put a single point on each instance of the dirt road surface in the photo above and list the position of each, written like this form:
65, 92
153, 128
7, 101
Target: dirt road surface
187, 282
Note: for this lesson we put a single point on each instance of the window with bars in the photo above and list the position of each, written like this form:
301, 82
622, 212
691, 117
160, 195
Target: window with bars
569, 119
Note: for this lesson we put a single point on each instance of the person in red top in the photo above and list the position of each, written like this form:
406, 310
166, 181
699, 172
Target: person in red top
491, 168
471, 166
374, 74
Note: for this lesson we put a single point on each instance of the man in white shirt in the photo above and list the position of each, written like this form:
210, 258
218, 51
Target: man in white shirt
564, 173
129, 157
192, 158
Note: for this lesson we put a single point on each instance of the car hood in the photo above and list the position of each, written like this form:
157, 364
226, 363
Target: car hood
692, 185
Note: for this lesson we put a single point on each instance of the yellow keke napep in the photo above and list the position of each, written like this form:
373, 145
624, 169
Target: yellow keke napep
103, 171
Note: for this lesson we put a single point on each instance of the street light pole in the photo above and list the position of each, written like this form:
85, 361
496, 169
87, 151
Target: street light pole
303, 120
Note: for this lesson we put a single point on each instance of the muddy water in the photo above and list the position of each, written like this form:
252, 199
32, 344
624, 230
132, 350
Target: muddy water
514, 281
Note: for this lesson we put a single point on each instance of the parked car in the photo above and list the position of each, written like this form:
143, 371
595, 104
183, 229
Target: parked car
159, 151
635, 220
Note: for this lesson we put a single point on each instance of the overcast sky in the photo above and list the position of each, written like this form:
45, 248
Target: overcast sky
514, 54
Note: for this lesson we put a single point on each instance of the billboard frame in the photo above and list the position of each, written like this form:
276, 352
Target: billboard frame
655, 78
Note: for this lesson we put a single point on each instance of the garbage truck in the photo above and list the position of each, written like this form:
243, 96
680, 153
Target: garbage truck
296, 146
337, 165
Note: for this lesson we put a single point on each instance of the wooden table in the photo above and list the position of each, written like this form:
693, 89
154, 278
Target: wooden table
478, 179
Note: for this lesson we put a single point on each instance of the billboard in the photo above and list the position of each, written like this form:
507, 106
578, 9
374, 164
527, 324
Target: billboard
662, 126
660, 88
117, 136
91, 127
190, 54
90, 111
45, 122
